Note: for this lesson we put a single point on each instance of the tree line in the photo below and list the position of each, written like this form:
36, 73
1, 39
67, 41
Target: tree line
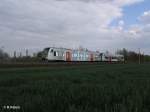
132, 56
129, 56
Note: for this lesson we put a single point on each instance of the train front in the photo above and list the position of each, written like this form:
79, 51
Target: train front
45, 53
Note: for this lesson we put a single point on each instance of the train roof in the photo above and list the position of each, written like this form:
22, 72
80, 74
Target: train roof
57, 48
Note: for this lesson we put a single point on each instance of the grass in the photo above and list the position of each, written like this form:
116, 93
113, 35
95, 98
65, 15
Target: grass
82, 88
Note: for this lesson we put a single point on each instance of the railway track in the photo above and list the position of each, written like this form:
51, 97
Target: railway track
49, 64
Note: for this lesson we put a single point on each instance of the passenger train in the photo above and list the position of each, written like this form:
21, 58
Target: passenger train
81, 54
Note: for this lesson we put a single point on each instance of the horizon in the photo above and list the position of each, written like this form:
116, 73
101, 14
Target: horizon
32, 52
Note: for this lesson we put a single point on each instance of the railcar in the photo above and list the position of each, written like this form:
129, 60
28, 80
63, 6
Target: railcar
64, 54
54, 54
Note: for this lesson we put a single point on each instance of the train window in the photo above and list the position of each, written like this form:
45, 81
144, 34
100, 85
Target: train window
75, 55
106, 57
45, 52
52, 50
113, 57
54, 53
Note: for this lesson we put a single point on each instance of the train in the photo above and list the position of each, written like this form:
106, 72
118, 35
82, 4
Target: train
81, 55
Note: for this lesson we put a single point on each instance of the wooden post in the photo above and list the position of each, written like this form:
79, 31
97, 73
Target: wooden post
139, 57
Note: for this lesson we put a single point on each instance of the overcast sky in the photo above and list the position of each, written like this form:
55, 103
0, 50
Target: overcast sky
94, 24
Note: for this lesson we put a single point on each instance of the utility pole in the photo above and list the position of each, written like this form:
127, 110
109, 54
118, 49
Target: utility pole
20, 55
14, 54
26, 52
139, 56
143, 58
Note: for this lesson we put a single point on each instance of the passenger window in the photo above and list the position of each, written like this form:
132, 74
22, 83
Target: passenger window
54, 53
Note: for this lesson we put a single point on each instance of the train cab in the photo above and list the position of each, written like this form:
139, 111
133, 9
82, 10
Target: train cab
54, 54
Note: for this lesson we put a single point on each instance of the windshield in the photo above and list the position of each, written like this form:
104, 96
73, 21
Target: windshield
45, 52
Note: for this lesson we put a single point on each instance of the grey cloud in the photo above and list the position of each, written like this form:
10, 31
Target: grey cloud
42, 23
89, 0
145, 17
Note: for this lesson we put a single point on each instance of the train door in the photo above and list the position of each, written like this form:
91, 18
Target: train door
68, 56
92, 57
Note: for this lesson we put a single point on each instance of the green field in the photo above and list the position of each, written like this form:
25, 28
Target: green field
80, 88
